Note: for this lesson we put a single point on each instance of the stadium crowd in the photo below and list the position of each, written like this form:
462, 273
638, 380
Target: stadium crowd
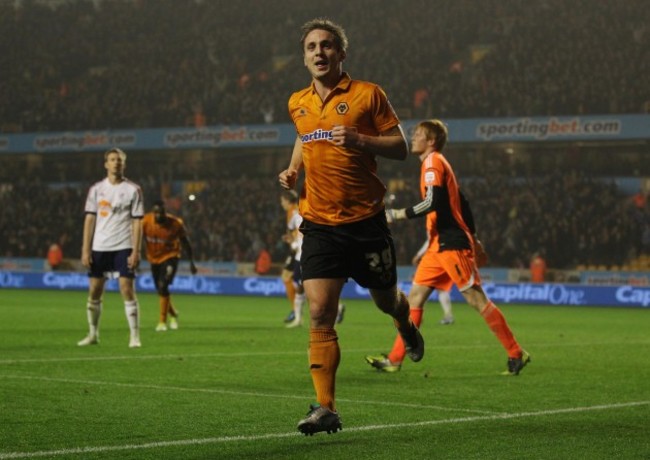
236, 215
107, 64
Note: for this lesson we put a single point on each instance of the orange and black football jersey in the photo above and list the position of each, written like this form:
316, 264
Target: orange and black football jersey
162, 241
341, 184
446, 227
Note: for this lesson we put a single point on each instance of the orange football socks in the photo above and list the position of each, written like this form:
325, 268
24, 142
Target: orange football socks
324, 358
497, 323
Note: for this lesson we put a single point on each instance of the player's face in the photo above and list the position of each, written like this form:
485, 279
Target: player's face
321, 56
419, 142
158, 214
115, 164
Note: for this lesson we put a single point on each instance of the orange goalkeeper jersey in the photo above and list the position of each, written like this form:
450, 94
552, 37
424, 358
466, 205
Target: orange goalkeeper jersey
446, 227
162, 241
341, 184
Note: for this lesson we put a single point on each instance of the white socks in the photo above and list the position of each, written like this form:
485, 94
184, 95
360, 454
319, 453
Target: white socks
133, 317
298, 303
445, 302
93, 312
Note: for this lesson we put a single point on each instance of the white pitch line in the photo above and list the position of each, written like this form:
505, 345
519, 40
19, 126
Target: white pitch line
224, 439
137, 356
237, 393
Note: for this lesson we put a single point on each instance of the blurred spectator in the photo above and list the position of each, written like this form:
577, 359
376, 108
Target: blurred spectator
263, 262
54, 256
65, 63
537, 268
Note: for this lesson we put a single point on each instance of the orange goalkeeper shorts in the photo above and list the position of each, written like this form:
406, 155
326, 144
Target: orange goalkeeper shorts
440, 270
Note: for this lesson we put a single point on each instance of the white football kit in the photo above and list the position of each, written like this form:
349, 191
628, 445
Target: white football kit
114, 206
293, 226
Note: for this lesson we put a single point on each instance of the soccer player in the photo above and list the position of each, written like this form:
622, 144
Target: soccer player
164, 235
343, 125
112, 239
454, 252
289, 203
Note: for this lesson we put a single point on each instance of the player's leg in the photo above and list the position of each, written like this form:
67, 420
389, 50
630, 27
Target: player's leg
517, 357
444, 297
157, 272
299, 298
324, 354
375, 267
127, 289
324, 267
341, 313
93, 310
100, 262
171, 267
290, 288
462, 269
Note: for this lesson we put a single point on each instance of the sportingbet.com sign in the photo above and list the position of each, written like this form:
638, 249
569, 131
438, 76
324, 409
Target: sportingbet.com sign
516, 293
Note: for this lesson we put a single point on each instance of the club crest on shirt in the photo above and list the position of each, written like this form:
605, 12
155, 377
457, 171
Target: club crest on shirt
342, 108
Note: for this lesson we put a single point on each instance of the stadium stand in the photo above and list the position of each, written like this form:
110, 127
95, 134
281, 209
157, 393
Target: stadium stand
80, 65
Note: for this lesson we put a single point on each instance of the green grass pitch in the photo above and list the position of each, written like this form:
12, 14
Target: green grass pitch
233, 382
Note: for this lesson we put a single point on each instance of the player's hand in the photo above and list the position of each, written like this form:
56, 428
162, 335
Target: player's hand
389, 216
345, 136
86, 259
133, 260
193, 269
288, 178
480, 255
395, 214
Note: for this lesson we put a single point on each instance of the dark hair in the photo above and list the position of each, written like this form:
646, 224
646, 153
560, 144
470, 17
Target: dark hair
340, 38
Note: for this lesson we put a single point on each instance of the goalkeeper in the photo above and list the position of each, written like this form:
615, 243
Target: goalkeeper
453, 253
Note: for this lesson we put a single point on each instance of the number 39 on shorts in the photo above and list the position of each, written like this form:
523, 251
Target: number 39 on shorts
380, 262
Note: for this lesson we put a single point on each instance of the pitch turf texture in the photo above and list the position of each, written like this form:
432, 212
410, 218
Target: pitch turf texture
232, 383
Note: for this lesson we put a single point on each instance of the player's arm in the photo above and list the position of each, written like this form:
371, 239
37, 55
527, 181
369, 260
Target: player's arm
289, 176
480, 255
424, 207
389, 144
187, 247
86, 245
136, 241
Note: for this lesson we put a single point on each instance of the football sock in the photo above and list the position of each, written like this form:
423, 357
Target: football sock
324, 358
445, 302
396, 355
172, 311
497, 323
132, 316
298, 303
93, 312
164, 308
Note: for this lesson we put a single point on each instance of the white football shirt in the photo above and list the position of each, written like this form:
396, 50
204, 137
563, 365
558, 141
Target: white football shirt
114, 206
293, 225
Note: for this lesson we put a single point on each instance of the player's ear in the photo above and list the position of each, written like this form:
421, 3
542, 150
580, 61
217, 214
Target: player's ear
343, 55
